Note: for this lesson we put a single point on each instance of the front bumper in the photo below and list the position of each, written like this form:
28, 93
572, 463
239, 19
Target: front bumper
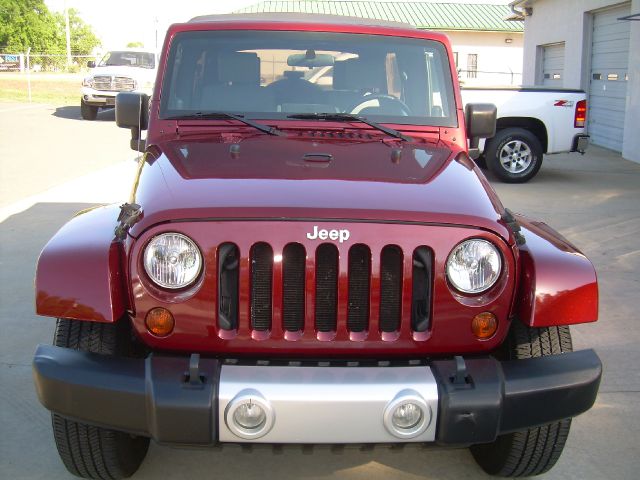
103, 98
178, 400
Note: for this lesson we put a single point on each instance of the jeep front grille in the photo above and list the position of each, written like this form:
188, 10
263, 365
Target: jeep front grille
326, 289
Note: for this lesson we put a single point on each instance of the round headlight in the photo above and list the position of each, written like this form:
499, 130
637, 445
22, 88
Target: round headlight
172, 260
474, 266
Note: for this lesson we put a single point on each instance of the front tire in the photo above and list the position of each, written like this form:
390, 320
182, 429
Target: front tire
88, 451
535, 450
514, 155
88, 112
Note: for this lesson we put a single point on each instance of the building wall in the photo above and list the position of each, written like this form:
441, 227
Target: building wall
569, 21
499, 63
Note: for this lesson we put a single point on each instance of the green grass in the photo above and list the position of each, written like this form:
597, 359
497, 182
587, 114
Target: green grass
52, 89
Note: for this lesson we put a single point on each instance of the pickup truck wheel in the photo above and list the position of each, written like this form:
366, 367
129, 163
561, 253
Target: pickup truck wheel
514, 155
88, 112
536, 450
88, 451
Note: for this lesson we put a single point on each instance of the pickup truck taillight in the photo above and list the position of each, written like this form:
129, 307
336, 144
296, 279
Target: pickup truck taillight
580, 116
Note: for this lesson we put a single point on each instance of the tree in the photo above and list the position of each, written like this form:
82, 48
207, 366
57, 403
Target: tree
135, 45
28, 23
83, 40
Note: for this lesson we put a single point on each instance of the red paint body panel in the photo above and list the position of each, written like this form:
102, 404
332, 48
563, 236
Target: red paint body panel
270, 180
79, 272
559, 284
195, 309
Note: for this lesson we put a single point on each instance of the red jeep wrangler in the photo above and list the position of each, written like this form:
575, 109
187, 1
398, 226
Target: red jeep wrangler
310, 255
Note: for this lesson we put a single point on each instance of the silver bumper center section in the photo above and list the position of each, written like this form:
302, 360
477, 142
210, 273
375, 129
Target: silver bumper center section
287, 404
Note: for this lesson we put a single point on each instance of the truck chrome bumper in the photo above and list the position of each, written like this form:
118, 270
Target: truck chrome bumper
580, 143
173, 401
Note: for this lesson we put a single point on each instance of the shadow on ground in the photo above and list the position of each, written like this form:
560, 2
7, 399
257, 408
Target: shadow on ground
72, 112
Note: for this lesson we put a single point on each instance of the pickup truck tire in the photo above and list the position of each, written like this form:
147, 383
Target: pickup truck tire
88, 112
514, 155
536, 450
88, 451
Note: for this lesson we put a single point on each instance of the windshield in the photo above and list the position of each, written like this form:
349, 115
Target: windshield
272, 75
128, 59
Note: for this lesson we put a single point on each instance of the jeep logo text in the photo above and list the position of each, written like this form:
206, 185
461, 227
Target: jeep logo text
322, 234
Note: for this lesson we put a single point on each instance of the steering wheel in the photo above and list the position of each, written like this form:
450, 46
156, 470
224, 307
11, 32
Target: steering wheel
387, 104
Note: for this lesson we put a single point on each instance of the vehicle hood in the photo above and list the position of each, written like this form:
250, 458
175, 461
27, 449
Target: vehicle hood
135, 72
344, 177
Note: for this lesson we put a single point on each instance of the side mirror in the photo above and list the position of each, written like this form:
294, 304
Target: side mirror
132, 111
481, 123
91, 64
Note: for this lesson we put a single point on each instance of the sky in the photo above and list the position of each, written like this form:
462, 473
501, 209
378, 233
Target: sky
119, 22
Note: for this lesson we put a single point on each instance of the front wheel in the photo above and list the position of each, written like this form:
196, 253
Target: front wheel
535, 450
88, 451
514, 155
88, 112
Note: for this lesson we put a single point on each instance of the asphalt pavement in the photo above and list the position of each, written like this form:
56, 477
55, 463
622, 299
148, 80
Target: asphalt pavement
594, 200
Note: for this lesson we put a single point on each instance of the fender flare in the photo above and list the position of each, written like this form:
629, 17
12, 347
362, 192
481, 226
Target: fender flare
79, 271
558, 284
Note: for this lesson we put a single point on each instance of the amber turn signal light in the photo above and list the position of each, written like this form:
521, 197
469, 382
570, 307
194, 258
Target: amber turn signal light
159, 322
484, 325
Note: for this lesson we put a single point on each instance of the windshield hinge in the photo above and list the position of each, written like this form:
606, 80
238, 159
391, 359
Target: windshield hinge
130, 213
513, 225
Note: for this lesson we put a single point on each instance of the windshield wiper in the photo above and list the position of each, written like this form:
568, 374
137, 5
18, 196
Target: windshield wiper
225, 115
350, 117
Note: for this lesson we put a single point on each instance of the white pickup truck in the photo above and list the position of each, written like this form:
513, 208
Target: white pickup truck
119, 71
532, 121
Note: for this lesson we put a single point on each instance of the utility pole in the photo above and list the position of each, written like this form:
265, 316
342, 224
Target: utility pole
68, 32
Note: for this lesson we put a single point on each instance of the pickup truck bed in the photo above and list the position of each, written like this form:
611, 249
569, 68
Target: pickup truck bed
531, 121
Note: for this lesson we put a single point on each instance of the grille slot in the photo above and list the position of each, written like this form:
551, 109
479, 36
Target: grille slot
293, 276
228, 276
359, 274
390, 288
261, 280
326, 287
421, 289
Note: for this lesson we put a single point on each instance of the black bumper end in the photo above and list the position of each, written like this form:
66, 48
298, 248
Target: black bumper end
504, 397
152, 397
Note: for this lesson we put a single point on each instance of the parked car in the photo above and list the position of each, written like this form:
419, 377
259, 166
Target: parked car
119, 71
532, 121
304, 263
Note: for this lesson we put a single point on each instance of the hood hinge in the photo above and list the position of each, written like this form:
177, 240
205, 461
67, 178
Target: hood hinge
130, 213
513, 225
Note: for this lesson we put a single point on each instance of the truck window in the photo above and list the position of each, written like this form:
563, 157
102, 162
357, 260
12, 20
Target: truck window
275, 74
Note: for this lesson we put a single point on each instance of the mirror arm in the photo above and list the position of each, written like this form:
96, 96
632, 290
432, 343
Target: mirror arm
136, 143
474, 150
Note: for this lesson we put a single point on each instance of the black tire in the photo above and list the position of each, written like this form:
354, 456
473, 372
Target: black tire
536, 450
518, 147
88, 451
88, 112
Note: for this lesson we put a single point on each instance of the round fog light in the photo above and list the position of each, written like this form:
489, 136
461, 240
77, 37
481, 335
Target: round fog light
406, 416
249, 415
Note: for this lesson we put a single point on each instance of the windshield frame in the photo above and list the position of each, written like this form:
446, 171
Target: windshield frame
448, 84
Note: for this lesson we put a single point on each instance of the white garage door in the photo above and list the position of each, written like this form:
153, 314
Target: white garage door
553, 64
609, 77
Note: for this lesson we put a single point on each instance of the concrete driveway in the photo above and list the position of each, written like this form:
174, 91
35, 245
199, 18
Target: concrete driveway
593, 200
